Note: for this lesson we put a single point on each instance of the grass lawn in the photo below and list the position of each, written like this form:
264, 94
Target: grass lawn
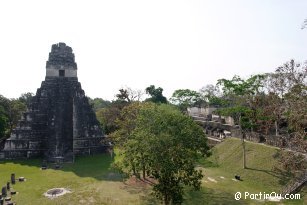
226, 162
92, 181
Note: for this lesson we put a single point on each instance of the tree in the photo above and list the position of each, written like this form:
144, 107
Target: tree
212, 96
108, 116
98, 103
129, 95
130, 145
123, 95
16, 109
5, 103
161, 142
297, 117
4, 117
175, 145
264, 117
185, 98
156, 95
26, 98
12, 110
280, 84
240, 93
3, 123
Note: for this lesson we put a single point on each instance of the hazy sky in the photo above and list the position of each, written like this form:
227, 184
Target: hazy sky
171, 44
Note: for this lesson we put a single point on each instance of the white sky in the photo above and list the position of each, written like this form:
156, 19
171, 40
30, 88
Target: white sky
171, 44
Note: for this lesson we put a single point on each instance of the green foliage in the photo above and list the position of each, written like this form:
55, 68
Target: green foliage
98, 103
129, 95
107, 112
240, 95
17, 107
126, 121
240, 87
288, 84
211, 95
240, 113
107, 116
282, 103
297, 112
11, 111
4, 115
3, 122
163, 143
156, 95
218, 101
26, 98
5, 103
123, 95
186, 98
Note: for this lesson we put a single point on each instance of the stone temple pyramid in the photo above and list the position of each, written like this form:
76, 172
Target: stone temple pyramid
59, 122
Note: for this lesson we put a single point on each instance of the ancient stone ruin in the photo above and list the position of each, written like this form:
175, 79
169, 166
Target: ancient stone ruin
59, 122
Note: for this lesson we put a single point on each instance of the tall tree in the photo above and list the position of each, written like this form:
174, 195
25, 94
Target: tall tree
130, 145
279, 84
26, 98
129, 95
3, 122
185, 98
16, 109
156, 94
240, 93
12, 110
161, 142
212, 96
98, 103
108, 116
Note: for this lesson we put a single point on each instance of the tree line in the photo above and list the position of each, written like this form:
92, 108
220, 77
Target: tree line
268, 103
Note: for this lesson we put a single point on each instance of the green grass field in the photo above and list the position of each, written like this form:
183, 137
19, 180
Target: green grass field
260, 175
92, 181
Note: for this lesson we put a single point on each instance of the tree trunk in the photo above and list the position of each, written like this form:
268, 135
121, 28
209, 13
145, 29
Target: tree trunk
144, 172
134, 171
166, 200
243, 142
276, 128
243, 146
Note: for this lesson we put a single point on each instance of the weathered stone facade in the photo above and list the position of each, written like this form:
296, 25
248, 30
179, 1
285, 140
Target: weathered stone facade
59, 123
